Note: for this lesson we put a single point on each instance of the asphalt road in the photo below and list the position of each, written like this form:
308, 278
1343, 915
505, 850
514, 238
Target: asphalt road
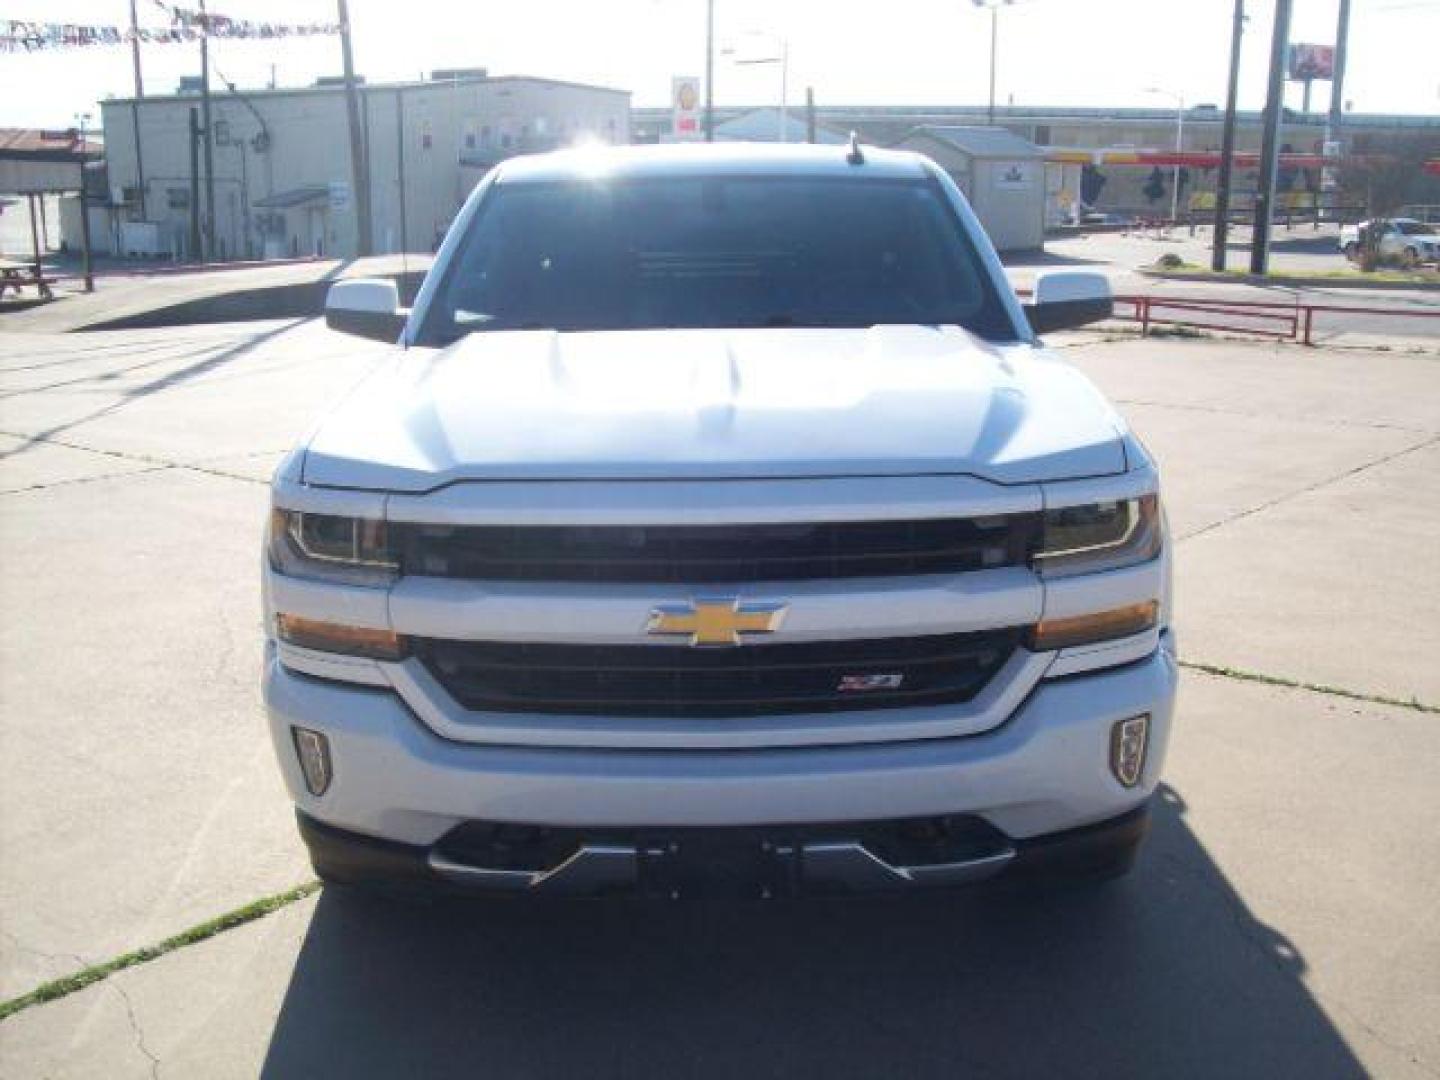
1284, 919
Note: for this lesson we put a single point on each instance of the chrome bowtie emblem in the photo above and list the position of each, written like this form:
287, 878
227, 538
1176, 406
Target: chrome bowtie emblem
716, 620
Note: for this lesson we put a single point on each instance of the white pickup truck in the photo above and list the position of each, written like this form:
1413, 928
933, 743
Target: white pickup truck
718, 524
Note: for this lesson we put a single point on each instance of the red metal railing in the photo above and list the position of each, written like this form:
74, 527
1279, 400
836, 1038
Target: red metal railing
1264, 318
1282, 320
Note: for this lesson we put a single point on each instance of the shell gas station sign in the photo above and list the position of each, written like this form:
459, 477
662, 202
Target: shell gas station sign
685, 105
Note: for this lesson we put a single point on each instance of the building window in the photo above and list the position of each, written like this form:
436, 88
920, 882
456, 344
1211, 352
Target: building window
469, 140
485, 135
540, 125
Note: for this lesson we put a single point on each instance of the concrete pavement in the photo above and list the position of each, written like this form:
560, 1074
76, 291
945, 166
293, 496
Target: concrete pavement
219, 293
134, 466
1302, 488
1282, 921
1234, 950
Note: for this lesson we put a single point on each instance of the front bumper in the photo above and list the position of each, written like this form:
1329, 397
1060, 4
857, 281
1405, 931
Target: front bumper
764, 863
1045, 770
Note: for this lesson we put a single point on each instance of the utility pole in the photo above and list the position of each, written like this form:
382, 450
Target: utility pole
1227, 145
89, 273
205, 133
400, 163
1329, 181
135, 105
195, 252
709, 70
1270, 147
359, 167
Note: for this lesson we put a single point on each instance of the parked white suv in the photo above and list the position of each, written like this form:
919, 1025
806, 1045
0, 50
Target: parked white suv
1406, 240
718, 522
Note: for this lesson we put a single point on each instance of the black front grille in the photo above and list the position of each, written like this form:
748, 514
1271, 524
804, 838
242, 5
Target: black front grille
705, 554
749, 680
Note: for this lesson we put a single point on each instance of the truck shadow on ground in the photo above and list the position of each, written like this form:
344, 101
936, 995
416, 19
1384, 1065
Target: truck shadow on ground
1163, 974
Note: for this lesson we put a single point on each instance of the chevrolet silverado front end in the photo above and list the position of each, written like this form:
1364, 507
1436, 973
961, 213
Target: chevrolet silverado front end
718, 520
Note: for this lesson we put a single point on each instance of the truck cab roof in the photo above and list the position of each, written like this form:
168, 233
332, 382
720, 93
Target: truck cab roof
710, 159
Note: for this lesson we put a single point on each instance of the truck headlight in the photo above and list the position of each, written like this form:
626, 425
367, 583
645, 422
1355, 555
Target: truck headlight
1100, 536
328, 547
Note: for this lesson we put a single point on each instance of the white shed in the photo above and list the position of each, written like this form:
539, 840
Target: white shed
1001, 174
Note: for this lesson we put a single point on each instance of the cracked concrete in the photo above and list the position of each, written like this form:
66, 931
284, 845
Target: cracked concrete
119, 988
1282, 922
1318, 485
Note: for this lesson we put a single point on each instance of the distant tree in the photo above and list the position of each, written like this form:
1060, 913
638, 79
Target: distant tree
1154, 188
1391, 172
1285, 176
1092, 180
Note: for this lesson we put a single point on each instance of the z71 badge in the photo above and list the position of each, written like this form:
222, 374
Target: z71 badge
862, 683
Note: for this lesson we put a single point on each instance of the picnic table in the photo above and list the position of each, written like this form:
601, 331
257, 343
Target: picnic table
16, 275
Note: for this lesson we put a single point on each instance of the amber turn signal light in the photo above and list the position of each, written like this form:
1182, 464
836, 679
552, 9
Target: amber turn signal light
337, 638
1050, 634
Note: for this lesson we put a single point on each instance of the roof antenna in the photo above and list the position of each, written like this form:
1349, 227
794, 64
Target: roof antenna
855, 157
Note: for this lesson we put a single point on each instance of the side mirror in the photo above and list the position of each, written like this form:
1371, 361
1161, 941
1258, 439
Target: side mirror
365, 307
1065, 299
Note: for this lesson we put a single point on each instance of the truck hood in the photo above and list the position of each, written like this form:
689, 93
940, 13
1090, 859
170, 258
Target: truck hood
675, 404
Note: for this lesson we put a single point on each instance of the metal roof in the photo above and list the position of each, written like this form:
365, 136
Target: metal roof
38, 144
763, 125
980, 142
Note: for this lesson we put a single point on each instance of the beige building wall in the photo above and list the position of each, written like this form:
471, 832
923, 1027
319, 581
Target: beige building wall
447, 133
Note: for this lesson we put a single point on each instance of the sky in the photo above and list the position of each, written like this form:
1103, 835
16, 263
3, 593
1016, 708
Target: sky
895, 52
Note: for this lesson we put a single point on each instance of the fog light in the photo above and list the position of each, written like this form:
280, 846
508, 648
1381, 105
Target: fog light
313, 750
1128, 740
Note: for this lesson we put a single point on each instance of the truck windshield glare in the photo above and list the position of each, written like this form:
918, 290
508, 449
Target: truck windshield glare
714, 252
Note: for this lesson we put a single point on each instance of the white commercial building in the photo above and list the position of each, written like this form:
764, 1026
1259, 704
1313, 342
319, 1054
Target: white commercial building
283, 180
1001, 174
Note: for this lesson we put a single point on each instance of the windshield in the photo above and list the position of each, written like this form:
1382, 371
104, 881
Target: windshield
714, 252
1414, 228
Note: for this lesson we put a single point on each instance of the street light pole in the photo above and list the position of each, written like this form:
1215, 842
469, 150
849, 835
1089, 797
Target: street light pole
783, 132
994, 6
709, 70
1179, 149
784, 90
994, 40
